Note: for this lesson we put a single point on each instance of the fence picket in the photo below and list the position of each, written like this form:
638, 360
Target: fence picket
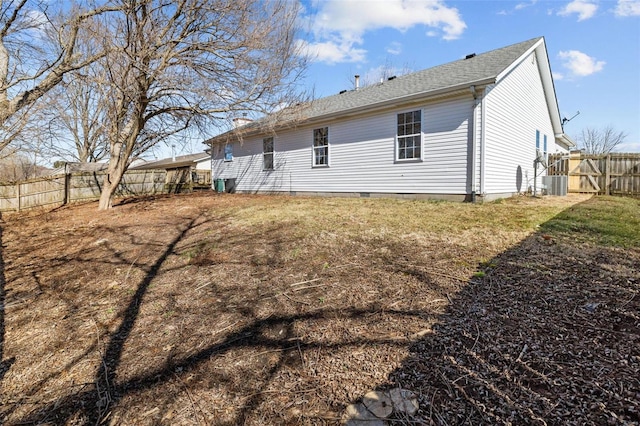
607, 174
78, 186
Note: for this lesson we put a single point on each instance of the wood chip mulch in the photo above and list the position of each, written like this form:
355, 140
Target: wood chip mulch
551, 335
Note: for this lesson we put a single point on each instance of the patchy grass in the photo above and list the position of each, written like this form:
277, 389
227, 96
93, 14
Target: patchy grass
613, 221
217, 309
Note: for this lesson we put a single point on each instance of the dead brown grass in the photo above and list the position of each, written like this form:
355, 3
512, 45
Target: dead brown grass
207, 309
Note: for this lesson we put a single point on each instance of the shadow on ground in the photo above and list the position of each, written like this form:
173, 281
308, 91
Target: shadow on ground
5, 364
550, 335
548, 332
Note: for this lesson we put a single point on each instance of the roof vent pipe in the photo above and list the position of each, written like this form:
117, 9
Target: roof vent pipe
357, 81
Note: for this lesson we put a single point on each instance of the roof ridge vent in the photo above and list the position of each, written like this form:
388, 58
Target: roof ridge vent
469, 56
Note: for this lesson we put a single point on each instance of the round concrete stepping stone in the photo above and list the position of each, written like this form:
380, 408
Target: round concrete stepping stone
378, 403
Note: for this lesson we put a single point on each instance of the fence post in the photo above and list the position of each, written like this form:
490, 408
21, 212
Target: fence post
18, 195
67, 184
607, 176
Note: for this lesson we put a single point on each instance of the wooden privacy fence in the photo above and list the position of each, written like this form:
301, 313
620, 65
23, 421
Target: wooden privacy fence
608, 174
77, 186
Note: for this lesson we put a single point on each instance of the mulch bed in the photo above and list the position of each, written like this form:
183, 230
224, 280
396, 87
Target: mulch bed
551, 335
167, 311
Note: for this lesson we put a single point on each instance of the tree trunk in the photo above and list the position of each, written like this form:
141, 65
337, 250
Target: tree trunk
106, 196
115, 171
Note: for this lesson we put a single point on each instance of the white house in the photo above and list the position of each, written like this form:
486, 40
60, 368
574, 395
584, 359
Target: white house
466, 130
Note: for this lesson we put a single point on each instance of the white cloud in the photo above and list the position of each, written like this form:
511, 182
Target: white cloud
394, 48
517, 7
583, 8
557, 76
340, 25
580, 64
331, 52
520, 6
628, 8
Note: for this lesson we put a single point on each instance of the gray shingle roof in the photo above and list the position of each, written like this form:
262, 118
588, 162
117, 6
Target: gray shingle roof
482, 68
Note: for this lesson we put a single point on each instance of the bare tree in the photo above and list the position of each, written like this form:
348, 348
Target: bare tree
600, 141
189, 63
18, 166
30, 64
75, 118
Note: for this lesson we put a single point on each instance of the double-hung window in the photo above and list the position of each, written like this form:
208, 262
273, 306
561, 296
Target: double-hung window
321, 146
409, 136
267, 154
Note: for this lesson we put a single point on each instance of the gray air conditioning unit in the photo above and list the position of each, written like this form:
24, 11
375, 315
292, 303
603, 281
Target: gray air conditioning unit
555, 185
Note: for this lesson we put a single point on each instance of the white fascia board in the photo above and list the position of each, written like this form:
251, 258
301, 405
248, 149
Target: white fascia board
549, 88
565, 140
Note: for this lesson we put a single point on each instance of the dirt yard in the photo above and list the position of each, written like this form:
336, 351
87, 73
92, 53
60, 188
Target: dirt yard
227, 309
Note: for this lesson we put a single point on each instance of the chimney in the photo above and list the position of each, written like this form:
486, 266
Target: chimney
357, 81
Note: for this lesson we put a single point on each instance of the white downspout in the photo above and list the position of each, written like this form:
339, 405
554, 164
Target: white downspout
213, 149
474, 143
483, 109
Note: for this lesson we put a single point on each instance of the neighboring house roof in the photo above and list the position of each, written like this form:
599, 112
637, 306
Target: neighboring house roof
174, 163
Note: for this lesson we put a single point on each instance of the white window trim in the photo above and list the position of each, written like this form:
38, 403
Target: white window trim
396, 141
313, 148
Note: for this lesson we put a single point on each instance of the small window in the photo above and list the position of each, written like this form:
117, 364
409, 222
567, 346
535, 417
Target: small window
228, 152
267, 153
321, 146
544, 148
538, 139
409, 137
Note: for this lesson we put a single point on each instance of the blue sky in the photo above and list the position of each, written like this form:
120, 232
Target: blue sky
593, 47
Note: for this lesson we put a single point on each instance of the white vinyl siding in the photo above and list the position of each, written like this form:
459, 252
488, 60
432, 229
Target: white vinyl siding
363, 156
515, 108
